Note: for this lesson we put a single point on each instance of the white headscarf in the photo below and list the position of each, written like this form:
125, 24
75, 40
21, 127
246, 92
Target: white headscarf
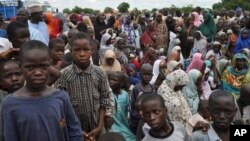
201, 44
176, 48
171, 65
156, 71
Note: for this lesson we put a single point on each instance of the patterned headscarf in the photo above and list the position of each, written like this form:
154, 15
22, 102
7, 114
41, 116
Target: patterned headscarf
176, 78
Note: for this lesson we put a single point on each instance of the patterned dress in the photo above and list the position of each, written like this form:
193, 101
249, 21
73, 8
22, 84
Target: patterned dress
178, 109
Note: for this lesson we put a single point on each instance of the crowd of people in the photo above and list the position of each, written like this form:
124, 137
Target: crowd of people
163, 76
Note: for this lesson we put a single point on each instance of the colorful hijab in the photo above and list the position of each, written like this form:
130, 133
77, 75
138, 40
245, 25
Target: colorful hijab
242, 43
190, 90
208, 28
115, 67
176, 103
196, 63
197, 20
233, 79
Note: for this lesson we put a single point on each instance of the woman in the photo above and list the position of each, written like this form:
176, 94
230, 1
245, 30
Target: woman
178, 49
237, 75
193, 90
200, 43
170, 90
105, 44
157, 70
243, 41
99, 26
148, 37
197, 63
109, 62
196, 19
86, 20
208, 28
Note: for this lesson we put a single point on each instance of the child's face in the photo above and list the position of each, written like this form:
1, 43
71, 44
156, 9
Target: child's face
241, 63
121, 44
114, 81
57, 52
35, 67
222, 111
146, 75
216, 48
11, 77
130, 71
244, 34
154, 114
81, 52
20, 37
91, 33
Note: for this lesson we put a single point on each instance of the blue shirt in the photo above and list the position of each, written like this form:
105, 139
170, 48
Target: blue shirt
47, 118
37, 35
42, 27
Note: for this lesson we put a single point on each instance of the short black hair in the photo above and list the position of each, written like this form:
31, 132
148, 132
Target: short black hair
13, 26
55, 41
82, 27
111, 136
3, 62
80, 36
153, 96
217, 94
32, 45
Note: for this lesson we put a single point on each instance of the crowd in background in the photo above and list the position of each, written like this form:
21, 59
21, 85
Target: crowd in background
146, 76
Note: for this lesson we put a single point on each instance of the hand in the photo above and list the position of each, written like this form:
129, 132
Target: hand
92, 135
87, 137
201, 125
108, 121
9, 53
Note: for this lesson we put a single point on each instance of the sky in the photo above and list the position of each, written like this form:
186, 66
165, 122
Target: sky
140, 4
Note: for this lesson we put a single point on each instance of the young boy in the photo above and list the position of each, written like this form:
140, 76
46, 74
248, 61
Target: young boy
222, 108
155, 115
87, 86
56, 46
144, 87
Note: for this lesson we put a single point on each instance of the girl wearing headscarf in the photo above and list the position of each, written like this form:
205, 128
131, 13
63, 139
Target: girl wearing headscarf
86, 20
53, 25
172, 44
149, 57
99, 26
128, 29
170, 90
133, 75
193, 90
156, 70
110, 62
178, 49
172, 66
215, 52
196, 18
208, 28
148, 37
197, 63
105, 44
237, 75
243, 41
200, 43
161, 32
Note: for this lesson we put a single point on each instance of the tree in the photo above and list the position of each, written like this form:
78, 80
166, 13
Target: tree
67, 10
154, 10
108, 10
88, 10
187, 9
123, 7
232, 4
77, 10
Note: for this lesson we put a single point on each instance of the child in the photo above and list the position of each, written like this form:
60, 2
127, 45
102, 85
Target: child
111, 137
122, 103
199, 120
243, 41
57, 51
143, 87
222, 108
36, 111
87, 86
155, 115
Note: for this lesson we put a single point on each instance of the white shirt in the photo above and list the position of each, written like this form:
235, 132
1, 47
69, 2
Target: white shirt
5, 44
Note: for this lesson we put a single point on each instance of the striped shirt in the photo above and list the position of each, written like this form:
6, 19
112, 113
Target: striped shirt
88, 90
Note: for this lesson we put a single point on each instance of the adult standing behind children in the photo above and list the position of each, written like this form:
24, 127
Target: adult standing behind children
87, 86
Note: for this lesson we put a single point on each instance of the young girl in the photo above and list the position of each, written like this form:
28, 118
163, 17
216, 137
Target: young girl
37, 112
243, 41
122, 103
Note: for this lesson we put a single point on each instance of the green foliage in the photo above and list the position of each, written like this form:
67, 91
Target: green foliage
123, 7
77, 10
67, 10
108, 10
88, 10
232, 4
154, 10
187, 9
